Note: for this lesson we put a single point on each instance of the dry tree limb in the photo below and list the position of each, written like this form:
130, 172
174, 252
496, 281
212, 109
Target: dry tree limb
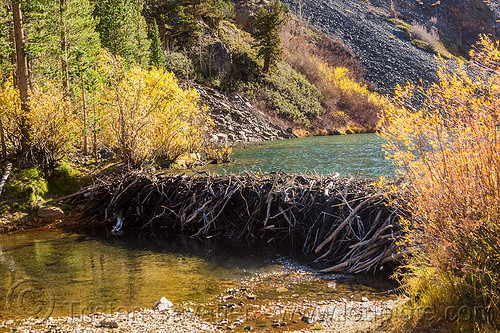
340, 227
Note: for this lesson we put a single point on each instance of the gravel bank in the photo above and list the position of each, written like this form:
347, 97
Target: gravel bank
291, 299
306, 316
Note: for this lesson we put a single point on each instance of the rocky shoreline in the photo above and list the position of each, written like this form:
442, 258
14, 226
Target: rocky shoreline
306, 316
292, 299
236, 120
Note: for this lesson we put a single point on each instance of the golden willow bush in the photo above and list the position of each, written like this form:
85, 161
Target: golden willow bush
352, 95
448, 151
53, 125
10, 113
147, 116
51, 122
142, 114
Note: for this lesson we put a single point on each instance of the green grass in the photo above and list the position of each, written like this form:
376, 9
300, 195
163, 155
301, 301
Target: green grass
401, 25
23, 190
28, 189
423, 45
65, 180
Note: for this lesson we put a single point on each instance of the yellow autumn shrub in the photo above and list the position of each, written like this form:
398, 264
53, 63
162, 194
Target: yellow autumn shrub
10, 113
52, 124
362, 103
50, 121
448, 151
147, 115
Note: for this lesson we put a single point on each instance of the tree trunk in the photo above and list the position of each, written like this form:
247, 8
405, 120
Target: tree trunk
64, 49
13, 55
94, 128
161, 29
22, 75
2, 139
267, 64
394, 10
85, 138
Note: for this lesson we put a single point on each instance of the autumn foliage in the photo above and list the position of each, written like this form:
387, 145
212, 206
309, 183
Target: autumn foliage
448, 151
147, 116
141, 114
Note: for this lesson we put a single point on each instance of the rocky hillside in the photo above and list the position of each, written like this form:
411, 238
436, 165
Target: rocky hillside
237, 120
379, 46
384, 49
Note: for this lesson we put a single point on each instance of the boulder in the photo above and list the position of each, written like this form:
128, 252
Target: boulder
108, 324
50, 214
222, 137
106, 153
162, 305
334, 132
220, 58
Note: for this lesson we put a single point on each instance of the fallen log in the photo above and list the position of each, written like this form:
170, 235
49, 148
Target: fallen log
6, 173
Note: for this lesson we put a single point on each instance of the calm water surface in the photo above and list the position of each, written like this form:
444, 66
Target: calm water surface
358, 155
77, 274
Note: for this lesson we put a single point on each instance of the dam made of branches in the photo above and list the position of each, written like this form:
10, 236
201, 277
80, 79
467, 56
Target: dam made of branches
342, 224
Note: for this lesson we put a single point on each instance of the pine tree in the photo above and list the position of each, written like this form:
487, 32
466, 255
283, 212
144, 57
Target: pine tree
266, 33
6, 40
60, 38
122, 29
180, 21
157, 59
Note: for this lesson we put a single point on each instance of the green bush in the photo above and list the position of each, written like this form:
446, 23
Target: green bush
179, 64
401, 25
423, 45
292, 95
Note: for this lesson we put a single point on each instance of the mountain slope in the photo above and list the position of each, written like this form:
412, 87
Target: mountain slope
383, 49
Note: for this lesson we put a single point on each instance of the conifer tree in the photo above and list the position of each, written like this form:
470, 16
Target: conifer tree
122, 29
60, 36
266, 33
6, 42
180, 21
157, 59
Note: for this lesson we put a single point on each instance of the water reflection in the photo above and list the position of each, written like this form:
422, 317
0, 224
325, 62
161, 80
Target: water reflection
78, 274
90, 273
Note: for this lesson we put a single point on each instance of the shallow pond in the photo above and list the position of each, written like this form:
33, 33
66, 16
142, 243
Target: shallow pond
357, 155
56, 273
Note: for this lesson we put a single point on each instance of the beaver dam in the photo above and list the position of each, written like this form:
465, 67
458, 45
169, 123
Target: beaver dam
343, 224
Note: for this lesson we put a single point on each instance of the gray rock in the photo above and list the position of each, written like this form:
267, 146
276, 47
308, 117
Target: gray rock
242, 135
106, 153
334, 132
162, 305
222, 137
108, 324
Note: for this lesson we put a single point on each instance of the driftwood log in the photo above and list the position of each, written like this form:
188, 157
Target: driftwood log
347, 225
